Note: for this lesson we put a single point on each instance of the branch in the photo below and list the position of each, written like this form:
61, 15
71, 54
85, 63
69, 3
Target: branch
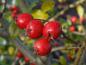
66, 8
68, 38
82, 60
63, 48
78, 33
79, 54
27, 52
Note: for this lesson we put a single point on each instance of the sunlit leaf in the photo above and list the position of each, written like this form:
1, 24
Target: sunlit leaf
47, 5
39, 14
80, 10
2, 41
11, 50
62, 60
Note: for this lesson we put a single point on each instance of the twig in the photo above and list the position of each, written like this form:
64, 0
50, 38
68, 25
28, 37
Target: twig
68, 38
78, 56
63, 48
78, 33
82, 60
66, 8
27, 52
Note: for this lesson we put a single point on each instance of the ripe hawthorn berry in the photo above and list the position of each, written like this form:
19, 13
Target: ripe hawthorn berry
52, 28
19, 54
42, 47
72, 28
34, 28
73, 19
23, 20
26, 59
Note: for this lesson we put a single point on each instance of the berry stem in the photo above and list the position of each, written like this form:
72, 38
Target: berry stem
78, 56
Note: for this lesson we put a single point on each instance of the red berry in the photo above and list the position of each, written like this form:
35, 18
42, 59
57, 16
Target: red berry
19, 54
34, 28
52, 28
42, 47
13, 15
73, 19
56, 44
23, 20
72, 28
26, 59
14, 9
32, 64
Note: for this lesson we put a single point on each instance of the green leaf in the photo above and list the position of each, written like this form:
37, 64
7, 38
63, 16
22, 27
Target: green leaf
1, 7
62, 60
2, 41
13, 30
8, 16
47, 5
80, 10
39, 14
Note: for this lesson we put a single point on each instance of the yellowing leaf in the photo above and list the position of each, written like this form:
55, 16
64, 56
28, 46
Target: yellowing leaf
47, 5
80, 10
39, 14
11, 50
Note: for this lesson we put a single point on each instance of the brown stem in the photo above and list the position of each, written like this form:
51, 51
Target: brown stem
78, 56
63, 48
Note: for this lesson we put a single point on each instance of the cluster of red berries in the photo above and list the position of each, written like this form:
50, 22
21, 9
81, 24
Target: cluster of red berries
35, 29
26, 59
73, 19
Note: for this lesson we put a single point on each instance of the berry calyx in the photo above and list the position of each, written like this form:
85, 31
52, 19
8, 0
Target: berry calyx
52, 28
23, 20
26, 59
73, 19
72, 28
42, 47
34, 28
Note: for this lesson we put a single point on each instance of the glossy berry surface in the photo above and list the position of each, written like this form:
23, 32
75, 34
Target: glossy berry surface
72, 28
52, 28
73, 19
23, 20
35, 28
42, 47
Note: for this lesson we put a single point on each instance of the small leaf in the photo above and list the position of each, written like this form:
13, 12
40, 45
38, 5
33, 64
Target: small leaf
2, 41
11, 50
47, 5
13, 30
1, 7
39, 14
80, 10
62, 60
